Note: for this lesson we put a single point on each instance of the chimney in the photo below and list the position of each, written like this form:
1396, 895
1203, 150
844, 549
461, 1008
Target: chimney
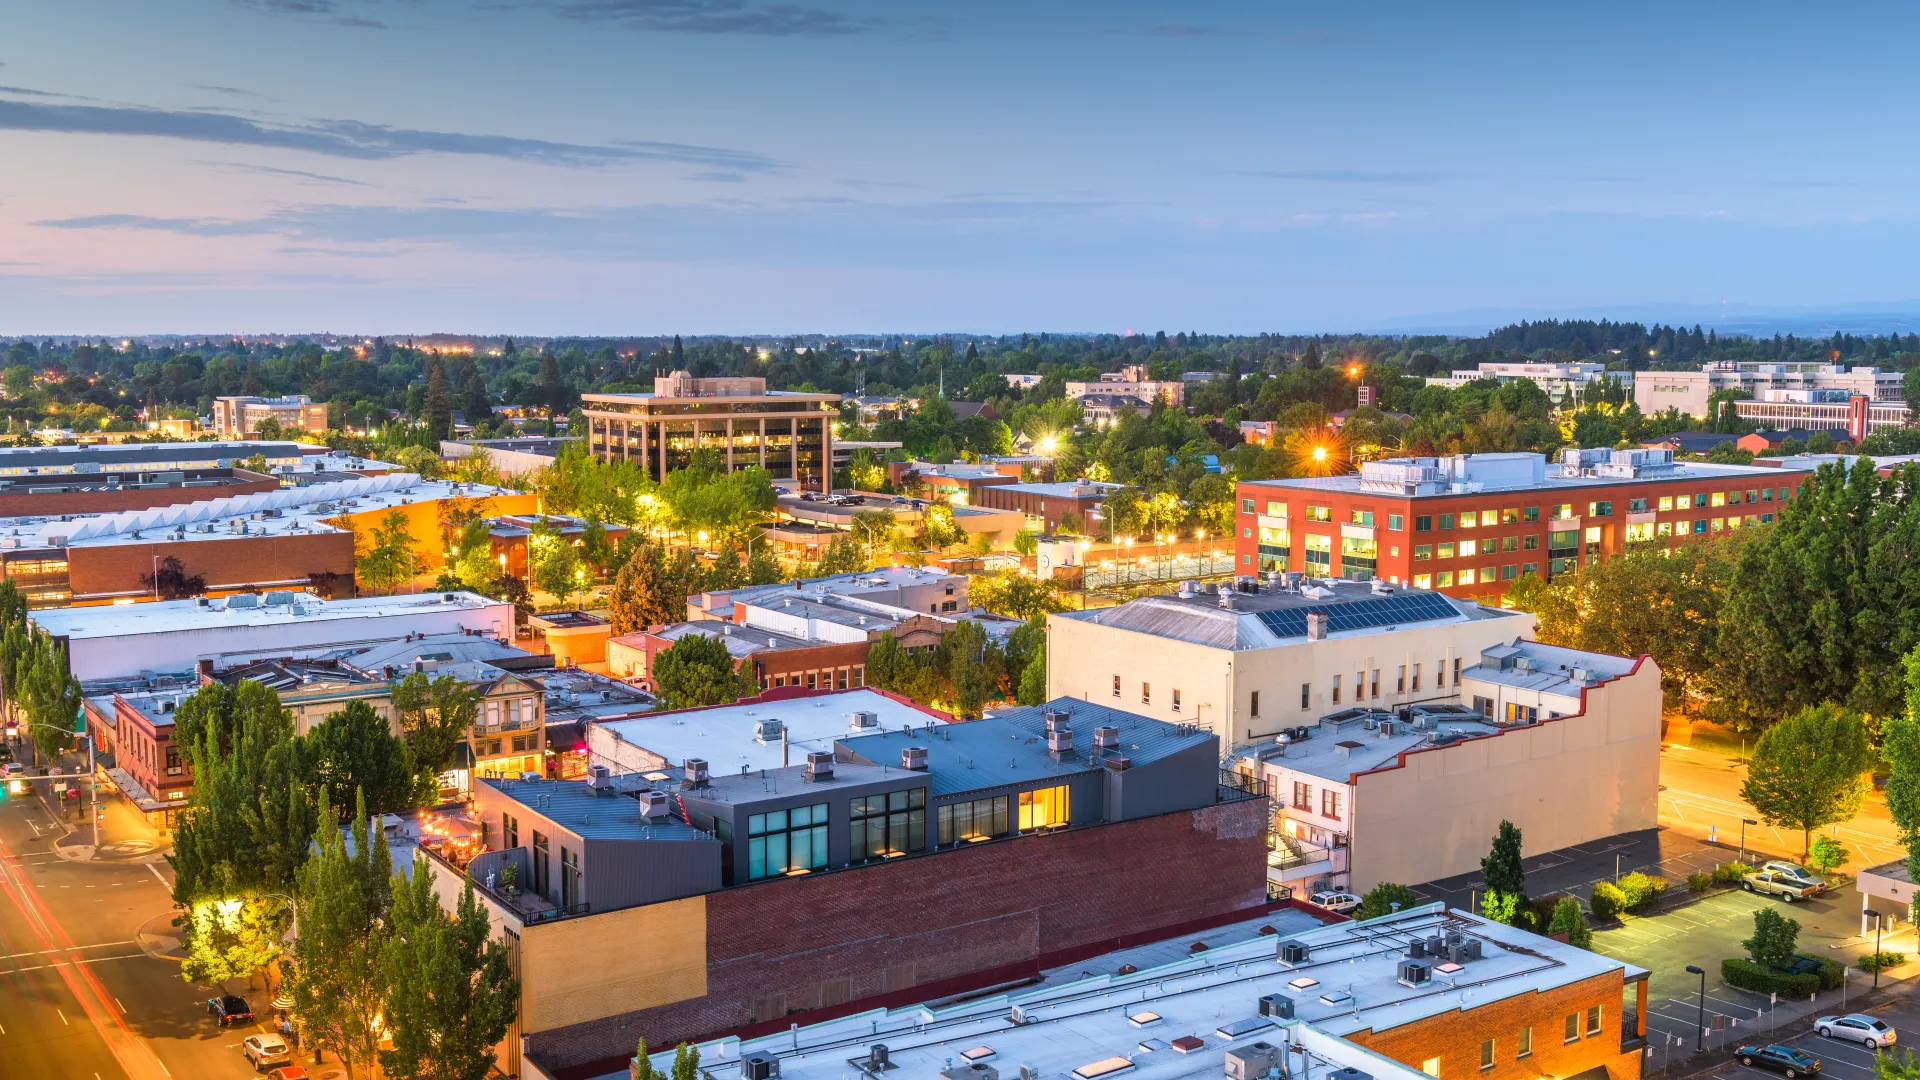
1316, 626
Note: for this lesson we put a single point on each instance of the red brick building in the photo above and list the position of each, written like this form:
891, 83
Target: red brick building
1471, 525
1045, 504
142, 742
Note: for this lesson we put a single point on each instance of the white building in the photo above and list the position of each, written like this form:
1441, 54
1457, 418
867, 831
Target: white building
1689, 391
750, 735
121, 641
1560, 381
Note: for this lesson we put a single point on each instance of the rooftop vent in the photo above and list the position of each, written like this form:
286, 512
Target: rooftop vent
819, 765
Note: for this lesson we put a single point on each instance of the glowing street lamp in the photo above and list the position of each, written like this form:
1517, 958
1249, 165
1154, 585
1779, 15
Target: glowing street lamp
1046, 445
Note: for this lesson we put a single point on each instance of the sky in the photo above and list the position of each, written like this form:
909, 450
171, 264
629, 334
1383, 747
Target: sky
607, 167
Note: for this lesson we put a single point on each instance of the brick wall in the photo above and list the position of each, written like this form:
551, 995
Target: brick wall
106, 571
1455, 1038
944, 922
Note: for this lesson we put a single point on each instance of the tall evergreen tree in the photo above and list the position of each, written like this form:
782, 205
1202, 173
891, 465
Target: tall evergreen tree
474, 400
439, 408
450, 992
336, 979
1504, 877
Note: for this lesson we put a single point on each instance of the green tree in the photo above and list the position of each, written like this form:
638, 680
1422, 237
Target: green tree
1527, 593
354, 753
232, 939
937, 529
553, 563
698, 670
1827, 854
686, 1062
973, 667
640, 597
1774, 938
450, 992
1033, 681
1381, 899
335, 977
1504, 878
474, 400
1647, 599
435, 716
1900, 749
842, 555
1016, 594
1809, 770
1568, 919
439, 407
388, 558
1025, 542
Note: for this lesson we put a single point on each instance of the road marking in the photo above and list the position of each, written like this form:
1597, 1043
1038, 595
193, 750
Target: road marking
123, 1008
63, 1015
156, 1057
156, 874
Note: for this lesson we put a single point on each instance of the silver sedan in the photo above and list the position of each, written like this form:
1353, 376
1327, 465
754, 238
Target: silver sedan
1870, 1031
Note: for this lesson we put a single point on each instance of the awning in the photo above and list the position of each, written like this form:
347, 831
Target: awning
564, 738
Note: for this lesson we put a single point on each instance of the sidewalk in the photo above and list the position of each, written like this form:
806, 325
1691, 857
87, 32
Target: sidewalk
124, 834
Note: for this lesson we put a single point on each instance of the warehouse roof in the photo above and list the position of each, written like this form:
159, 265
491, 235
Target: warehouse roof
1277, 615
173, 616
118, 457
724, 736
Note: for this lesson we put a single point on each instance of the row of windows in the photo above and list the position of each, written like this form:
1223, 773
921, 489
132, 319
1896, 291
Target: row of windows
1515, 515
1329, 800
1470, 548
1362, 684
1447, 579
825, 679
1146, 693
884, 826
1523, 1041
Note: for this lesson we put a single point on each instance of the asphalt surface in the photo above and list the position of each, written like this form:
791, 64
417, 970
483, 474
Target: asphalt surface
1700, 792
79, 996
1839, 1059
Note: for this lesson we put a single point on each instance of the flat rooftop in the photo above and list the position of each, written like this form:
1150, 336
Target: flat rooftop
176, 616
122, 457
1681, 472
575, 806
741, 641
1206, 1003
1339, 751
723, 736
1065, 489
1276, 616
1547, 669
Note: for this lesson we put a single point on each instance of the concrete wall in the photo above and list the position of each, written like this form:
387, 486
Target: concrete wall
1217, 685
1564, 782
578, 970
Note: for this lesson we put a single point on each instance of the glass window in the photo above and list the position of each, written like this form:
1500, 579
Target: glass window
1510, 516
1423, 581
1396, 522
1489, 517
1446, 522
1700, 499
1636, 506
1600, 509
1246, 506
1509, 572
885, 825
1486, 1054
1699, 526
1319, 513
1277, 509
1431, 1066
1466, 577
1305, 690
1718, 498
1530, 568
1443, 579
1422, 552
1593, 534
1302, 796
1524, 1043
1446, 550
1469, 547
1360, 517
1573, 1027
1530, 514
1530, 542
1766, 495
1336, 689
1666, 502
1043, 807
1467, 519
1509, 543
1116, 686
1593, 1021
979, 819
786, 841
1564, 510
1253, 708
1423, 523
1330, 803
1146, 693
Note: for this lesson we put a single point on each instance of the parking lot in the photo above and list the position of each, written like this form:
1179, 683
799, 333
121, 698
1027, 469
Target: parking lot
1842, 1060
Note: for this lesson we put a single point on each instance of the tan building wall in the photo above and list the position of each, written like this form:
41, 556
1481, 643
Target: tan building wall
1216, 687
423, 523
1563, 781
575, 970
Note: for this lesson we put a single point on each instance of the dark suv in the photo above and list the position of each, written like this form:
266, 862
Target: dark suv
230, 1009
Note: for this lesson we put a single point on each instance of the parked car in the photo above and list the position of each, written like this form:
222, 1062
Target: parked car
1790, 1060
1341, 902
266, 1049
230, 1009
778, 490
288, 1072
1870, 1031
1794, 870
15, 768
1786, 886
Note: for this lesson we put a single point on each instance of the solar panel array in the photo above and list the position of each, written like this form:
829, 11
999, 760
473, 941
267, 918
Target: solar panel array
1409, 607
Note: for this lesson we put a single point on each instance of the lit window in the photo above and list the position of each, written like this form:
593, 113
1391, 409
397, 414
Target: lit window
1486, 1054
1176, 701
1593, 534
1444, 579
1446, 550
1116, 686
1468, 548
1431, 1066
1039, 809
1489, 517
1466, 577
1422, 552
1510, 516
1718, 498
1336, 689
1423, 581
1666, 502
1524, 1043
1146, 693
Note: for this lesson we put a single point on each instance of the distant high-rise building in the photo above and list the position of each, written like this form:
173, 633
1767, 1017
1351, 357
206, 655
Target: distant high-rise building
788, 433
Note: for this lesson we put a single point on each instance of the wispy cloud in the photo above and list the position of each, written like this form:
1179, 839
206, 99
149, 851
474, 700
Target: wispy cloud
719, 177
230, 91
1345, 176
352, 138
1186, 30
323, 8
293, 174
716, 17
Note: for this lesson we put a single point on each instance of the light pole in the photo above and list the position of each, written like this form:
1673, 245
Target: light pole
93, 784
1744, 822
1878, 921
1700, 1041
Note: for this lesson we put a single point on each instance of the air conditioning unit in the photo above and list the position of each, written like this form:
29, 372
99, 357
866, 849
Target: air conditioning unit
1252, 1061
1349, 1074
861, 721
914, 758
1417, 950
819, 765
768, 731
1058, 717
759, 1067
599, 778
1106, 738
696, 770
654, 805
1293, 952
978, 1070
1413, 972
1060, 739
1277, 1005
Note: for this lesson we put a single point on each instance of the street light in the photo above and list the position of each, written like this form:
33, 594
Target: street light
93, 782
1878, 921
1700, 1041
1744, 822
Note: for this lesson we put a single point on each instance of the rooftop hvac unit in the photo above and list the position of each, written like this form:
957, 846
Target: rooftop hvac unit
1436, 945
1349, 1074
654, 805
1060, 739
759, 1067
1252, 1061
1293, 952
1058, 717
819, 765
860, 721
1457, 952
1413, 972
1106, 738
1277, 1005
978, 1070
914, 758
696, 770
768, 731
1473, 948
599, 778
1416, 949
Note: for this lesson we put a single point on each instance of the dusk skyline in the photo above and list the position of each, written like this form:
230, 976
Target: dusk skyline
723, 166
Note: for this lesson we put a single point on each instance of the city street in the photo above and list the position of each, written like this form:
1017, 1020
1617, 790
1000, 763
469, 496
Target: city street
79, 995
1700, 791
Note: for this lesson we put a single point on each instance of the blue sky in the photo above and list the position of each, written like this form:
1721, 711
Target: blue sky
735, 166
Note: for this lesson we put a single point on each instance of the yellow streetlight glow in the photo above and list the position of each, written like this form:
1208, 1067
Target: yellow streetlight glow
1319, 453
1046, 445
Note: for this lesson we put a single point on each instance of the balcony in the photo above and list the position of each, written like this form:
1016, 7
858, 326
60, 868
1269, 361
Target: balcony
1295, 861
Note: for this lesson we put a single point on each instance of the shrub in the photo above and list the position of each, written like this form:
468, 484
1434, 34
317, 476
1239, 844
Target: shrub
1827, 854
1881, 961
1746, 975
1381, 898
1568, 919
1831, 971
1699, 881
1731, 873
1607, 901
1641, 890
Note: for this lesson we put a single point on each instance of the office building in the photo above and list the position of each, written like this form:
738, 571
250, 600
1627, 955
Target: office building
1839, 413
1132, 382
1691, 392
1043, 505
1563, 743
1419, 994
713, 898
240, 417
122, 641
788, 433
958, 483
1561, 381
1471, 524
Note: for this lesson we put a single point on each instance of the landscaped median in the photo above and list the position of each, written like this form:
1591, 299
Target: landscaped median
1772, 967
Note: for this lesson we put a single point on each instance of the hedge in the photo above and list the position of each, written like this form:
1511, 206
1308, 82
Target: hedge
1746, 975
1607, 901
1881, 961
1641, 890
1831, 971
